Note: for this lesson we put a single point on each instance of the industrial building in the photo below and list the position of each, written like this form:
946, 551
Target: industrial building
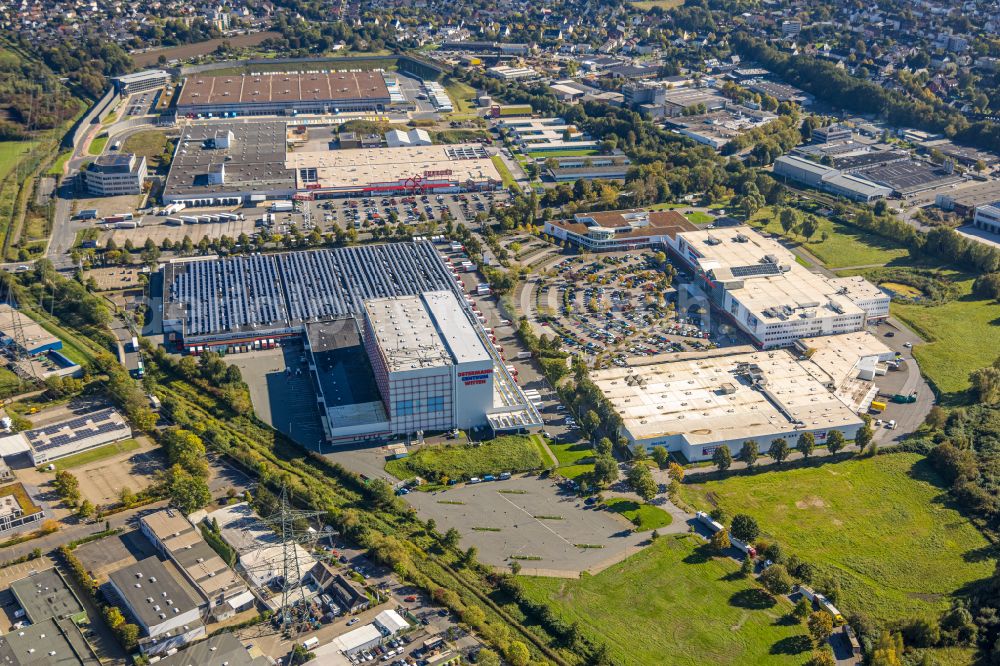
114, 174
619, 229
17, 509
571, 168
55, 614
719, 127
431, 367
223, 649
242, 299
694, 405
987, 218
261, 554
148, 79
414, 137
248, 160
283, 93
757, 284
414, 167
169, 617
536, 135
829, 179
223, 593
850, 364
20, 329
64, 438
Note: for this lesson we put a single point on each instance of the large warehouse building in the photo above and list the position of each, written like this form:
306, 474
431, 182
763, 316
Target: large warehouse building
232, 163
287, 93
395, 348
694, 405
756, 283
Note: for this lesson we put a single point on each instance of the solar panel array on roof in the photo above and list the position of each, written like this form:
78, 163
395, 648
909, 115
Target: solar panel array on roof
257, 292
82, 427
756, 270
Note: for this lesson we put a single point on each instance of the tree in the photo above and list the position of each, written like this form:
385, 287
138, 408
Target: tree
641, 480
778, 450
451, 537
749, 453
986, 383
822, 657
803, 609
604, 446
788, 219
67, 487
186, 449
746, 567
591, 421
661, 456
776, 579
487, 657
834, 441
187, 492
864, 436
820, 626
888, 650
86, 509
605, 470
720, 541
744, 528
517, 654
806, 444
675, 472
722, 458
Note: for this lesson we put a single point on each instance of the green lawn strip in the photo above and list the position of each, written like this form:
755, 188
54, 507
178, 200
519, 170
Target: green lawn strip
698, 217
863, 520
11, 153
646, 5
844, 246
574, 459
645, 517
510, 453
95, 454
96, 146
543, 450
57, 167
506, 177
673, 603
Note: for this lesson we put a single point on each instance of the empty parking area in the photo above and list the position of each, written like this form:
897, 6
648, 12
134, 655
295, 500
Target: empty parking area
528, 520
282, 392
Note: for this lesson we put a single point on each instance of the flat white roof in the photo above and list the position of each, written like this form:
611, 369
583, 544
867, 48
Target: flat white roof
740, 254
356, 638
455, 327
706, 398
391, 621
359, 167
406, 334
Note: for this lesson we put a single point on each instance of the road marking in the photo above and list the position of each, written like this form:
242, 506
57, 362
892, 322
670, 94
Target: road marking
522, 510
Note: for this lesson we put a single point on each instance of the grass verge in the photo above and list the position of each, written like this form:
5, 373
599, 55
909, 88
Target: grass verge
673, 603
645, 517
99, 453
864, 520
96, 146
503, 454
505, 175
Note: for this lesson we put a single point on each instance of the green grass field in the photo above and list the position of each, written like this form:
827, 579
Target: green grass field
99, 453
505, 175
844, 246
149, 143
574, 459
963, 335
645, 517
10, 384
883, 524
96, 146
463, 96
57, 167
673, 604
11, 152
503, 454
698, 217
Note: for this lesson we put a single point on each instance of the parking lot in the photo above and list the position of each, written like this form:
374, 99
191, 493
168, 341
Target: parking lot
365, 214
531, 521
616, 307
281, 390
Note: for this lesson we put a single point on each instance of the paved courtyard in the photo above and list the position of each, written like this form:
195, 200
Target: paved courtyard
530, 520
